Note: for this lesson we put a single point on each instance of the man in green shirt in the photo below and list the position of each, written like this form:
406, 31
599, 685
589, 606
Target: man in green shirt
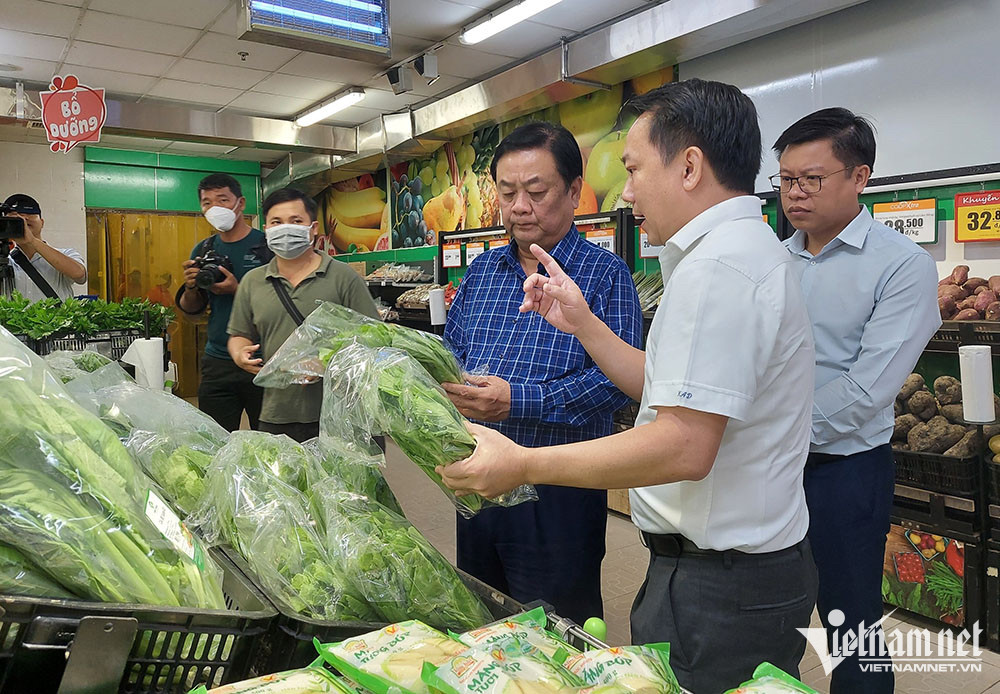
225, 390
260, 322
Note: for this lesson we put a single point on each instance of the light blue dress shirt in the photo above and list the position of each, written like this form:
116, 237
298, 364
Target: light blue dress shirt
872, 300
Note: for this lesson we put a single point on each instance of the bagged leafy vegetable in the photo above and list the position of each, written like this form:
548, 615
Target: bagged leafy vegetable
180, 470
68, 365
75, 502
504, 667
313, 679
254, 501
390, 660
386, 391
304, 355
356, 467
528, 627
397, 570
20, 576
643, 669
768, 679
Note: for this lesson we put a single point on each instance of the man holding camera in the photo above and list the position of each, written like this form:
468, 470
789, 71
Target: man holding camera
211, 277
40, 270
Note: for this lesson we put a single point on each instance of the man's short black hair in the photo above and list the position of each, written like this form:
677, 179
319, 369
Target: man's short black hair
220, 180
290, 195
556, 139
717, 118
853, 137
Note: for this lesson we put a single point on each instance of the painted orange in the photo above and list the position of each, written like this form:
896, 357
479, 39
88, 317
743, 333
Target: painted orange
588, 201
651, 80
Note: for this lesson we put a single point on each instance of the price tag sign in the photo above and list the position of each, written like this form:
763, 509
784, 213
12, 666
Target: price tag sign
645, 249
168, 523
977, 216
72, 113
605, 238
473, 251
499, 243
916, 219
452, 255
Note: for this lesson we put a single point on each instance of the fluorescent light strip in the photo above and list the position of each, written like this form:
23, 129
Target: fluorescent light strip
505, 19
318, 18
323, 112
356, 5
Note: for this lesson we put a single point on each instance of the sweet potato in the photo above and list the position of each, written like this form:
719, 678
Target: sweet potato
947, 307
947, 390
969, 302
994, 282
953, 292
984, 300
980, 290
953, 413
922, 404
900, 446
936, 436
903, 425
969, 445
960, 275
991, 430
897, 408
967, 314
973, 283
992, 311
911, 385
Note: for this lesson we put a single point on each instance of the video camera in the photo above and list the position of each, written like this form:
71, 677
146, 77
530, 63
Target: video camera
209, 271
11, 228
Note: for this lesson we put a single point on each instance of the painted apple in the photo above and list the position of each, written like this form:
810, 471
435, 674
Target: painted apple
591, 116
604, 166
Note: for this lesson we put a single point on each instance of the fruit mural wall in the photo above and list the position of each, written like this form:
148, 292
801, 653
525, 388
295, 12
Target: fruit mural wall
354, 216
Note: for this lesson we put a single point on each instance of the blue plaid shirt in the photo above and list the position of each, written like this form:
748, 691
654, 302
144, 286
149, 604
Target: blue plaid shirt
558, 395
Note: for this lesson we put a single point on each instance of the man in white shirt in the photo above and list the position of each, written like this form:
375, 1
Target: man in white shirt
715, 459
59, 267
872, 298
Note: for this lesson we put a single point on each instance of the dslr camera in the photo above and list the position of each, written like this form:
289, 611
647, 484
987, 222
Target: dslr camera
209, 271
11, 228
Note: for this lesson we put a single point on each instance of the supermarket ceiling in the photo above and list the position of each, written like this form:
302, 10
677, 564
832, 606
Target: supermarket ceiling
184, 53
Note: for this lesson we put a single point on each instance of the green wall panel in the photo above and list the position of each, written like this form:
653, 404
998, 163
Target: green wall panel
112, 185
105, 155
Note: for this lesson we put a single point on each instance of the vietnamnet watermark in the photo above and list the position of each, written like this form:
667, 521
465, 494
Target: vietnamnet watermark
902, 649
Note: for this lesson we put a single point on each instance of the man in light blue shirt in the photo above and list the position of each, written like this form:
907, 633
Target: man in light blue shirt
871, 294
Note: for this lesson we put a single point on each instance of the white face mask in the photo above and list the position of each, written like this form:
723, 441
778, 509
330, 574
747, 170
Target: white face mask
289, 241
222, 218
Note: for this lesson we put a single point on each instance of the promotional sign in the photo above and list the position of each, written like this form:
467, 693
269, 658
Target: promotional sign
452, 255
499, 243
925, 573
647, 250
605, 238
916, 219
473, 250
72, 113
977, 216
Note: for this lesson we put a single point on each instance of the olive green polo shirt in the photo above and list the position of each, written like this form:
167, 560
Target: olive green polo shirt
259, 315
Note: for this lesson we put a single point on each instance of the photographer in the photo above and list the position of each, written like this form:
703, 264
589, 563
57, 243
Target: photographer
40, 270
211, 277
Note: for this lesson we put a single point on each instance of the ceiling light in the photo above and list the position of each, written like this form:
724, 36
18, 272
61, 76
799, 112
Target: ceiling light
504, 18
337, 103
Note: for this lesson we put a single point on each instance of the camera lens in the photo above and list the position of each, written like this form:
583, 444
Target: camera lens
206, 277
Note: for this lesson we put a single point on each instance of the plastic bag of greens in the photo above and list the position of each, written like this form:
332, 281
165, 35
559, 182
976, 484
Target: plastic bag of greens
391, 659
177, 467
304, 355
386, 391
397, 570
356, 467
768, 679
76, 503
528, 627
643, 669
254, 501
313, 679
69, 365
509, 665
20, 576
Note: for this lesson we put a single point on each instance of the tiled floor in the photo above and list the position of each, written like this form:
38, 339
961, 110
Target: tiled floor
624, 569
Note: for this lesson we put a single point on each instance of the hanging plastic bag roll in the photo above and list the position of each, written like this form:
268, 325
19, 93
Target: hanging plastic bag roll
435, 301
976, 364
146, 355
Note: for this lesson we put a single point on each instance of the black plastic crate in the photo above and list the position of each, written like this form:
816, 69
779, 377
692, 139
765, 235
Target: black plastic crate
174, 648
937, 473
110, 343
24, 340
289, 644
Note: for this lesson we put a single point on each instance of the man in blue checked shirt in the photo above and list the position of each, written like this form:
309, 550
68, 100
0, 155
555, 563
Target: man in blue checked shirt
542, 388
872, 300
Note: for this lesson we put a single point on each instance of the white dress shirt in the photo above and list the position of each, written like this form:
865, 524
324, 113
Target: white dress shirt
732, 337
872, 300
62, 284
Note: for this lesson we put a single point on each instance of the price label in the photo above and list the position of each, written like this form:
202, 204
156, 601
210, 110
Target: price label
499, 243
977, 216
916, 219
605, 238
168, 523
765, 218
473, 251
452, 255
646, 250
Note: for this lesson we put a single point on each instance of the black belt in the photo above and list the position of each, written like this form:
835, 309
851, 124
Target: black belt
674, 545
823, 458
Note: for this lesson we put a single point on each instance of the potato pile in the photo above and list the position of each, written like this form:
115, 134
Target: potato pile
930, 422
961, 297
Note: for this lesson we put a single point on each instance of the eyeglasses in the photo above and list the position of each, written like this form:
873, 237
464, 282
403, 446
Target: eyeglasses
807, 184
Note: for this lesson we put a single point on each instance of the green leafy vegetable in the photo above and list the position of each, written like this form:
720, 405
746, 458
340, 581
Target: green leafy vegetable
20, 576
47, 317
947, 588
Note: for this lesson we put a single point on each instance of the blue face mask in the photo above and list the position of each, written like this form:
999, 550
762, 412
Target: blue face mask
289, 241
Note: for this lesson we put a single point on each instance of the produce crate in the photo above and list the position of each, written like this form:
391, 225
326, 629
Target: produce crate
25, 340
937, 473
173, 649
289, 644
110, 343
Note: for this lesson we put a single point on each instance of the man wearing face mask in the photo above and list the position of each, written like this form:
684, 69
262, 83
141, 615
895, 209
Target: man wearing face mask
273, 300
226, 390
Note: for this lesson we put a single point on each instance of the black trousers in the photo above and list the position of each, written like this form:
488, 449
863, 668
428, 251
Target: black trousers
850, 499
226, 391
547, 550
298, 431
725, 614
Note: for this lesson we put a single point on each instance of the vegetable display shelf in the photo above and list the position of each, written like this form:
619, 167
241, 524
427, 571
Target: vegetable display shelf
992, 590
289, 642
173, 648
952, 334
110, 343
942, 474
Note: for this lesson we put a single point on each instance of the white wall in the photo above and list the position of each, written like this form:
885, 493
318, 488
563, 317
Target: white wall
922, 70
56, 182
